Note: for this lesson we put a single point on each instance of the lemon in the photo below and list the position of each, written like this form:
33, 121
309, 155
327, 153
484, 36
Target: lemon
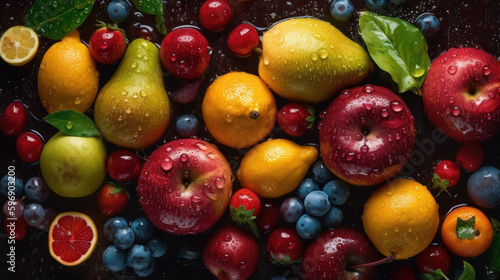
18, 45
275, 167
239, 110
401, 218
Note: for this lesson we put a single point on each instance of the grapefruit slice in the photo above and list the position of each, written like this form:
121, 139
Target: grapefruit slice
72, 238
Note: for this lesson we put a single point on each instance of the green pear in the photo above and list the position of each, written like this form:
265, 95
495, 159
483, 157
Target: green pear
309, 60
132, 109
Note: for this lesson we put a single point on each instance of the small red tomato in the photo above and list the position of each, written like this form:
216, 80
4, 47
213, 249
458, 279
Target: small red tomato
107, 45
13, 118
470, 156
29, 146
296, 118
446, 174
215, 14
284, 246
123, 165
269, 215
432, 258
15, 228
243, 39
112, 199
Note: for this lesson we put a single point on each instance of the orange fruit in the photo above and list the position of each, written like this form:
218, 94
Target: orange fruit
468, 247
401, 218
72, 238
239, 110
18, 45
68, 78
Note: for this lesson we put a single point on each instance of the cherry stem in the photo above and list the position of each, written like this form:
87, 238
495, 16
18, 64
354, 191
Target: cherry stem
388, 259
258, 50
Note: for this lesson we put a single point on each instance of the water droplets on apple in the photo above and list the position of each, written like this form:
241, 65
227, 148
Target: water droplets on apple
452, 70
396, 106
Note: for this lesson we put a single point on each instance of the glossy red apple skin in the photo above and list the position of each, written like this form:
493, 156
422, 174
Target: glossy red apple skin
366, 135
461, 94
185, 186
231, 253
331, 255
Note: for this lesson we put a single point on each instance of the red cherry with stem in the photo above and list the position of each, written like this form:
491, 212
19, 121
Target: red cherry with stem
123, 165
29, 146
215, 14
296, 118
269, 215
403, 272
284, 246
107, 44
446, 174
17, 229
470, 156
432, 258
243, 40
13, 118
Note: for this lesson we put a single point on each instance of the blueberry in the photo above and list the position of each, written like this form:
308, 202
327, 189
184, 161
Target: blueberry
308, 227
291, 209
112, 225
138, 257
333, 218
483, 187
11, 185
34, 214
142, 228
36, 190
124, 238
118, 10
187, 125
342, 10
337, 191
428, 24
146, 272
307, 186
114, 259
376, 5
321, 174
317, 203
157, 246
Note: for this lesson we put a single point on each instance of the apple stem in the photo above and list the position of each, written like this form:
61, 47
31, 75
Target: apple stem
388, 259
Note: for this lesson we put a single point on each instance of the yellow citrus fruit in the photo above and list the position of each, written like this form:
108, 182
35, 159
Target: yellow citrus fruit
72, 238
68, 78
401, 218
239, 110
275, 167
18, 45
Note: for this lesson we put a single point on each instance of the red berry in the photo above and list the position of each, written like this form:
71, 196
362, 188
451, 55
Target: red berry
403, 272
470, 156
269, 215
215, 14
296, 118
244, 207
29, 146
107, 45
243, 39
123, 165
15, 228
284, 246
13, 118
432, 258
185, 53
112, 199
446, 175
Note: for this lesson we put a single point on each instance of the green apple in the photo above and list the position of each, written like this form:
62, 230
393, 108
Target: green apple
73, 166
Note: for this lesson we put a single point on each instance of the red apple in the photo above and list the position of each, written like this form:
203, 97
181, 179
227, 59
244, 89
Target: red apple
332, 255
185, 186
231, 253
366, 135
461, 94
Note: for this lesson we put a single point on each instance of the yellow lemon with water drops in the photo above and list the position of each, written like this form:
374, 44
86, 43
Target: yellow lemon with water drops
239, 110
401, 218
18, 45
275, 167
68, 78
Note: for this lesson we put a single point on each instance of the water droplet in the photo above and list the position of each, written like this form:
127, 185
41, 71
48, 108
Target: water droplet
219, 183
384, 113
368, 106
280, 40
134, 64
364, 149
451, 100
350, 156
486, 70
173, 57
196, 199
265, 60
225, 258
243, 265
323, 54
396, 229
128, 110
69, 125
166, 164
389, 193
340, 247
456, 111
143, 93
184, 157
452, 70
396, 106
78, 101
314, 56
227, 237
201, 146
210, 156
368, 89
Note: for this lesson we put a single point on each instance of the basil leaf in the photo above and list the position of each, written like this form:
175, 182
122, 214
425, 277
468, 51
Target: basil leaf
435, 275
56, 18
398, 48
160, 23
73, 123
466, 229
146, 6
469, 273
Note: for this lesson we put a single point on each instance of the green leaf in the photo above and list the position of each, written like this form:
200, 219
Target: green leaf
490, 259
153, 7
435, 275
466, 229
56, 18
398, 48
73, 123
442, 185
160, 21
469, 273
495, 224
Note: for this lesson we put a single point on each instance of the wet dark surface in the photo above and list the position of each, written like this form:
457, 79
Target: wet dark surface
463, 22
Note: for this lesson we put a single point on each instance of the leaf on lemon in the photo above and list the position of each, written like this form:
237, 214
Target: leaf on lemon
397, 47
466, 229
73, 123
56, 18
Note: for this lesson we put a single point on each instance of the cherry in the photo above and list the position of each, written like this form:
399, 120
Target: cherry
296, 118
16, 228
269, 215
215, 14
123, 165
29, 146
13, 119
243, 39
185, 53
446, 174
470, 156
284, 246
432, 258
107, 44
